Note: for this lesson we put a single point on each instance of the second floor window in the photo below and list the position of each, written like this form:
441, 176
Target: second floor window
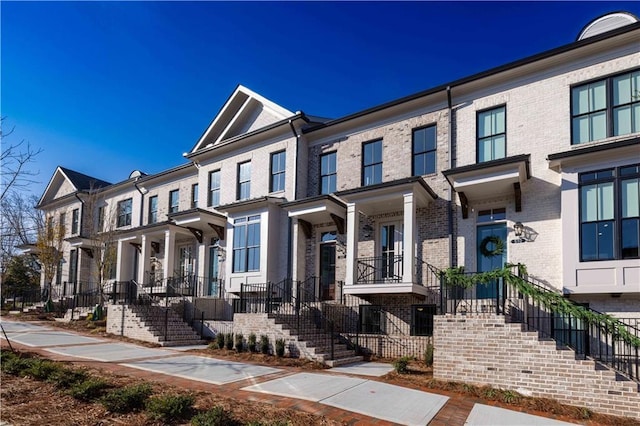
328, 173
214, 189
153, 209
604, 108
424, 151
194, 195
124, 212
492, 134
100, 219
278, 165
244, 181
246, 244
372, 163
75, 221
610, 214
63, 223
174, 201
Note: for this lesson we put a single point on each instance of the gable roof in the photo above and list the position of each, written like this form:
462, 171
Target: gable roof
243, 112
78, 181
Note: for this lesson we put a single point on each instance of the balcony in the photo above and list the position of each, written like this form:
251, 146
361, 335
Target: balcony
379, 270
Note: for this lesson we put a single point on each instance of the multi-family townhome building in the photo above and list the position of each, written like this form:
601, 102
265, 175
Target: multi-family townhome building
534, 162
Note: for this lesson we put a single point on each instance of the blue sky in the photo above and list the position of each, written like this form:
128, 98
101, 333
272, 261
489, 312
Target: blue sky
108, 87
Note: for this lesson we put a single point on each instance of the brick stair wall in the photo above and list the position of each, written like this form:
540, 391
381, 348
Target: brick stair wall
147, 323
317, 350
484, 349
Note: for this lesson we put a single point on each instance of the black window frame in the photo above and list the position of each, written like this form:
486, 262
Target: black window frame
277, 175
366, 327
152, 213
609, 109
482, 111
100, 219
415, 153
124, 217
367, 166
213, 192
174, 208
245, 249
617, 179
194, 195
327, 176
63, 222
75, 221
422, 327
240, 183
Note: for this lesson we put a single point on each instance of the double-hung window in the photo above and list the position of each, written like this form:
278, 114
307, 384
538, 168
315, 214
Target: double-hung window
101, 219
124, 212
63, 223
492, 134
75, 221
194, 195
174, 201
244, 181
372, 163
328, 173
246, 244
153, 209
278, 165
214, 189
604, 108
609, 214
424, 151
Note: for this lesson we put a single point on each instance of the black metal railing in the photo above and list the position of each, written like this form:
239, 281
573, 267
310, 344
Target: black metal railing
588, 332
379, 269
21, 298
291, 304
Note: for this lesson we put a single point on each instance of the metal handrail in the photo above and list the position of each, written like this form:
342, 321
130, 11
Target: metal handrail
379, 269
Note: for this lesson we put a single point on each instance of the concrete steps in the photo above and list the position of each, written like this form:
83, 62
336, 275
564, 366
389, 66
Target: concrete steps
166, 326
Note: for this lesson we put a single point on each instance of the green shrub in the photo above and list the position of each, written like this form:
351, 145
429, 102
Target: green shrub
401, 365
228, 341
127, 399
169, 408
280, 347
252, 343
428, 355
89, 389
239, 342
217, 416
220, 340
5, 356
64, 378
41, 369
17, 365
264, 344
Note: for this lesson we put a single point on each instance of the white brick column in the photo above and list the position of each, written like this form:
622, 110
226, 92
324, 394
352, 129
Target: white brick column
121, 261
352, 243
408, 237
201, 266
169, 253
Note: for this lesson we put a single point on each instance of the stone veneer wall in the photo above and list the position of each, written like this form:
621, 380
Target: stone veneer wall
484, 349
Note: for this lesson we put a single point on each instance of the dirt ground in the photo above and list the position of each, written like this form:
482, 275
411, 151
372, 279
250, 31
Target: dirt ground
25, 401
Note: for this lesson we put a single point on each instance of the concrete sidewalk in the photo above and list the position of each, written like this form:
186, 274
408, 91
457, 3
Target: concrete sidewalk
341, 393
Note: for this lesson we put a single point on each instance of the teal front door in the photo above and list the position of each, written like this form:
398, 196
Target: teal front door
487, 262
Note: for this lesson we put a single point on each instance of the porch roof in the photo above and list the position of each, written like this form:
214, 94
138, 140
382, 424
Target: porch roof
200, 220
318, 209
253, 203
489, 179
582, 155
383, 197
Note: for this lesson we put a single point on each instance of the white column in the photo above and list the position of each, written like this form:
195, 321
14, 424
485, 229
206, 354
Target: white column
145, 255
201, 266
120, 263
352, 243
169, 253
408, 242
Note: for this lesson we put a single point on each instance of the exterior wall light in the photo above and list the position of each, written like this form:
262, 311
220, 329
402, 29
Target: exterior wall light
518, 228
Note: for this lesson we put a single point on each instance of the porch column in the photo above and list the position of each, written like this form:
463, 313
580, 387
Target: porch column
408, 242
120, 261
352, 243
144, 264
202, 273
169, 253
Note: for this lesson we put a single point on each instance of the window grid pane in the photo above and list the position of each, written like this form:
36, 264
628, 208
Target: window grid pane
246, 244
278, 165
372, 163
214, 188
328, 171
424, 151
492, 134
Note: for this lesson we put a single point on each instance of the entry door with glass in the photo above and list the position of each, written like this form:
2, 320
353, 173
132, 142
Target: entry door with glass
492, 253
328, 266
214, 286
391, 252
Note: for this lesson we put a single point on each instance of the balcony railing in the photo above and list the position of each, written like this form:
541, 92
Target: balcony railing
379, 269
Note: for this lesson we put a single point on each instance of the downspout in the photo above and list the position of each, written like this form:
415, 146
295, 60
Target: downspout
450, 189
295, 196
141, 201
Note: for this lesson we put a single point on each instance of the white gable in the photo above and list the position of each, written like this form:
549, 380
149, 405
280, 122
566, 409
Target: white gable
59, 186
244, 112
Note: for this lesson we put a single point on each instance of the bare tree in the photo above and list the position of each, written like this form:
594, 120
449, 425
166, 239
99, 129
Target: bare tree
14, 161
49, 248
